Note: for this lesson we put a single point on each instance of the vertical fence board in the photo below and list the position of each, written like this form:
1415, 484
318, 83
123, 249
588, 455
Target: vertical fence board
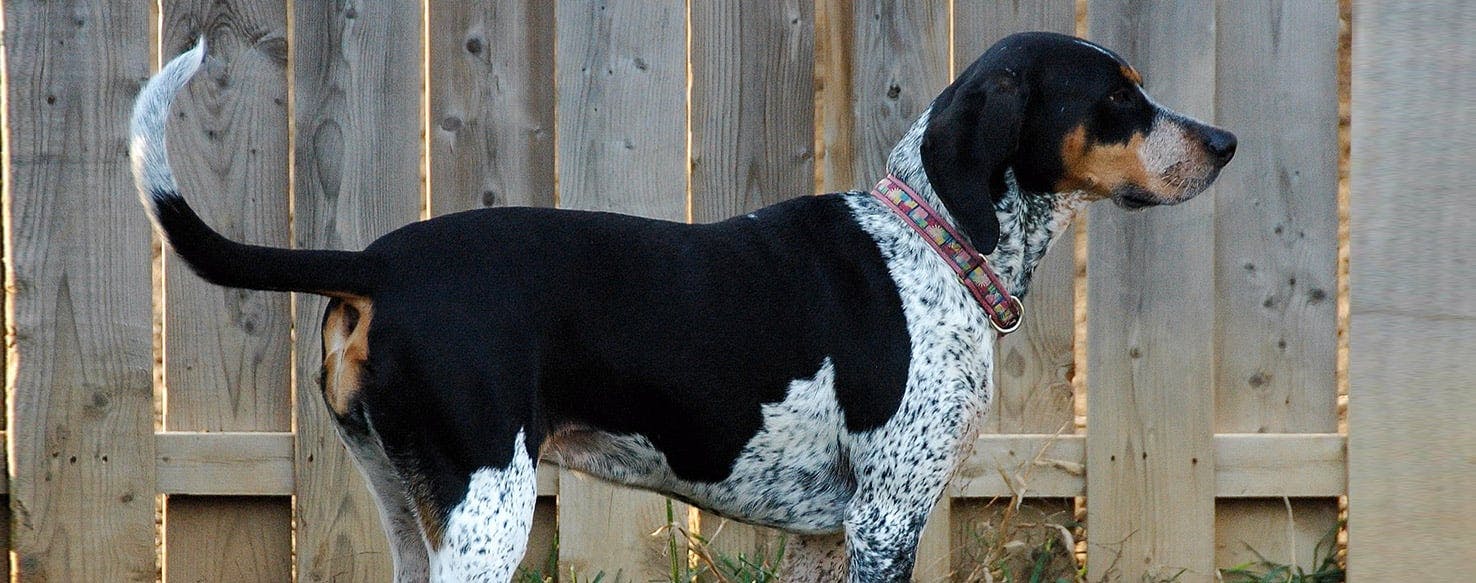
753, 108
900, 64
834, 123
357, 85
1150, 462
79, 287
1035, 366
491, 80
491, 104
622, 147
226, 351
1413, 306
1276, 255
753, 135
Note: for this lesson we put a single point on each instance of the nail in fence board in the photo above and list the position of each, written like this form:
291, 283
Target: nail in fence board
228, 352
79, 286
357, 88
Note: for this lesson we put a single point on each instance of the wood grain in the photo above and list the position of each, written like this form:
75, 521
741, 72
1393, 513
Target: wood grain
1276, 244
1150, 458
834, 123
622, 118
225, 463
491, 104
242, 539
357, 88
78, 283
227, 358
1413, 329
622, 107
753, 107
900, 64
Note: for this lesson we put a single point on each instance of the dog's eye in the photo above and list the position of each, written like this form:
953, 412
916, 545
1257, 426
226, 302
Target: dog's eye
1121, 95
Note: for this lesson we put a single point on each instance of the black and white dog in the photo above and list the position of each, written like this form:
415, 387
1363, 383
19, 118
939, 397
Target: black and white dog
814, 366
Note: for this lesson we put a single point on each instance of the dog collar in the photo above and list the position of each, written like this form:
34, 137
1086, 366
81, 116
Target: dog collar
1005, 311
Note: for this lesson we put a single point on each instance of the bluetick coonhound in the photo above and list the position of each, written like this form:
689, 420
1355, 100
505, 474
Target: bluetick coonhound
816, 366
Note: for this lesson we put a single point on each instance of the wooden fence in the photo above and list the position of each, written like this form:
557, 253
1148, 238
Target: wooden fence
1210, 354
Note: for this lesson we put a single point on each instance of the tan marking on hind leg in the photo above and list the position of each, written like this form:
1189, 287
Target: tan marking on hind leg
345, 350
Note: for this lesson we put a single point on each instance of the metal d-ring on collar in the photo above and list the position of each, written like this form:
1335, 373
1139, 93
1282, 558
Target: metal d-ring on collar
1004, 310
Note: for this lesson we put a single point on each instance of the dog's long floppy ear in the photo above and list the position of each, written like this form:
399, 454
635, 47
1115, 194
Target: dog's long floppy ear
973, 131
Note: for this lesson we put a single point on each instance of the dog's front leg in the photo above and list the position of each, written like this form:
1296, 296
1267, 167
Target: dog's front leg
901, 469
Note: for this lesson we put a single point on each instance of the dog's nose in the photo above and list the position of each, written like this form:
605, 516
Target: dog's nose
1221, 145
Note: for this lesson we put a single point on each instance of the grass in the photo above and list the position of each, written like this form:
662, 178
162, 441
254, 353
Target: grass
1026, 545
1262, 570
704, 562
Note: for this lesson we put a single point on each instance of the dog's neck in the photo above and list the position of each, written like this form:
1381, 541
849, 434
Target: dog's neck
1028, 221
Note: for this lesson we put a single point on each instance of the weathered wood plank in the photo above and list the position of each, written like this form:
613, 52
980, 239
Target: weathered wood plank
1034, 367
900, 64
1413, 331
1248, 465
225, 463
834, 122
753, 109
491, 104
753, 133
227, 357
622, 107
78, 283
1276, 247
244, 540
1150, 458
622, 119
357, 86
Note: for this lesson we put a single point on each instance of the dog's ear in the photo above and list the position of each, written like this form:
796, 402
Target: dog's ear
973, 131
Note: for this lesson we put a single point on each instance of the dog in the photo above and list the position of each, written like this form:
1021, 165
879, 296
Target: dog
819, 366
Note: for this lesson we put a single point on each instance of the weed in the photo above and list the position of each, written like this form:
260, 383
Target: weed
1263, 570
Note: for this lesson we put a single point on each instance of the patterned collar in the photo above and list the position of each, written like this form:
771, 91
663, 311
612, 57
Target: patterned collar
1005, 311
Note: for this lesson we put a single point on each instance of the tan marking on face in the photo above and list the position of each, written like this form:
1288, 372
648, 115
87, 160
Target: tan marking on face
1131, 74
346, 349
1099, 169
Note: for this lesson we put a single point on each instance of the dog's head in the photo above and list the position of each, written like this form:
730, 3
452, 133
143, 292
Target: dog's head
1067, 116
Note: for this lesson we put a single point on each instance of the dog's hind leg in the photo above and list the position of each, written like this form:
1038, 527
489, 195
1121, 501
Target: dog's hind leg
817, 558
485, 535
407, 545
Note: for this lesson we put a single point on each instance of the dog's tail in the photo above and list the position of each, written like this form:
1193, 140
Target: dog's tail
212, 256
